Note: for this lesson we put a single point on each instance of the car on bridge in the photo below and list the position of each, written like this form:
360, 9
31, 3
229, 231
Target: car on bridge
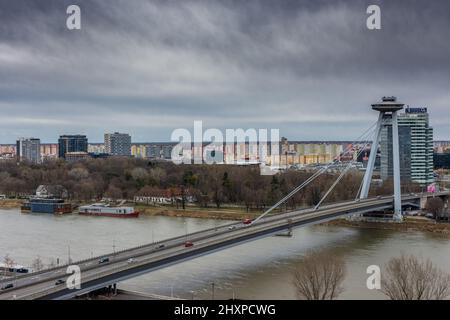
103, 260
8, 286
188, 244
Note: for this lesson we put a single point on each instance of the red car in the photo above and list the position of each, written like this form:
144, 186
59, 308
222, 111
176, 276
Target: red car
247, 221
188, 244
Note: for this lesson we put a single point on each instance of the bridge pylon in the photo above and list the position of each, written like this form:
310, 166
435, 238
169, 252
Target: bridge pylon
387, 108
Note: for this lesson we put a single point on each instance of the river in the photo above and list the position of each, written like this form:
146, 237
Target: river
257, 270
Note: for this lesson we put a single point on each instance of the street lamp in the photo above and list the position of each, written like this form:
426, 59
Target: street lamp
68, 255
212, 290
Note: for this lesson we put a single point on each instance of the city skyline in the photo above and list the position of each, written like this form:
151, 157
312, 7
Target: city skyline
299, 66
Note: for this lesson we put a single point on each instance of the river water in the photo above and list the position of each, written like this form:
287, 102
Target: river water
257, 270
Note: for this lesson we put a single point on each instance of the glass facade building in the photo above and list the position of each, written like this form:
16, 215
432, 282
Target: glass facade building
71, 143
28, 149
416, 147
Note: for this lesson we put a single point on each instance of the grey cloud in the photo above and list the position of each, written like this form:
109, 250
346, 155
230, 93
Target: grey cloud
310, 68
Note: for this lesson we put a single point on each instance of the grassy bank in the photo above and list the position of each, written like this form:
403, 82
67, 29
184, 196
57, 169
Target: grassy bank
195, 212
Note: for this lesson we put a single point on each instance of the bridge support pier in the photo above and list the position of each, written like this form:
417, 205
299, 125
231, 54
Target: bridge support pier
387, 110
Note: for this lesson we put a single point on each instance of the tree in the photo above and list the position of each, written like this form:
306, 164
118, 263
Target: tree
114, 193
140, 175
78, 173
8, 261
408, 278
435, 206
319, 276
37, 264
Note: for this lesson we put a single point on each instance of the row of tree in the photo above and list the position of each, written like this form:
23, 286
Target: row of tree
320, 276
124, 178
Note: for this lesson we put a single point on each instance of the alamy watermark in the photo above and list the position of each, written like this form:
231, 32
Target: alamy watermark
74, 280
73, 21
373, 22
235, 146
373, 282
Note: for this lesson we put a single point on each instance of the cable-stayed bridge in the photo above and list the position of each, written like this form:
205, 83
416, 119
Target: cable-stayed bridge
112, 268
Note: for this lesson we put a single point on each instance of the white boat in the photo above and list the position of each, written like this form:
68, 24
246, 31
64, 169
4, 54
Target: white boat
101, 209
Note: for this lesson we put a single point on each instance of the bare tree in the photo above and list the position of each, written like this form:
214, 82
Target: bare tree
52, 263
435, 206
408, 278
319, 276
37, 264
8, 261
114, 193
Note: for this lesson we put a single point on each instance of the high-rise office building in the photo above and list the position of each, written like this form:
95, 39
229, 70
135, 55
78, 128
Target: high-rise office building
421, 144
72, 143
28, 149
416, 147
118, 144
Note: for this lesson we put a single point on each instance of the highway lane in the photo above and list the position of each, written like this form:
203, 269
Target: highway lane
174, 246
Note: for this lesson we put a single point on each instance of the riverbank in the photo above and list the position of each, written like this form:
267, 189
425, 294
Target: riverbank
239, 213
409, 224
195, 212
10, 203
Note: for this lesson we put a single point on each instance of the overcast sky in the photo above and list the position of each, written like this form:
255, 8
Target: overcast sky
309, 68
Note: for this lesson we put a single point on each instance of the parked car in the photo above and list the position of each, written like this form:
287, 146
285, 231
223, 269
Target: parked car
188, 244
231, 227
247, 221
161, 246
131, 260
